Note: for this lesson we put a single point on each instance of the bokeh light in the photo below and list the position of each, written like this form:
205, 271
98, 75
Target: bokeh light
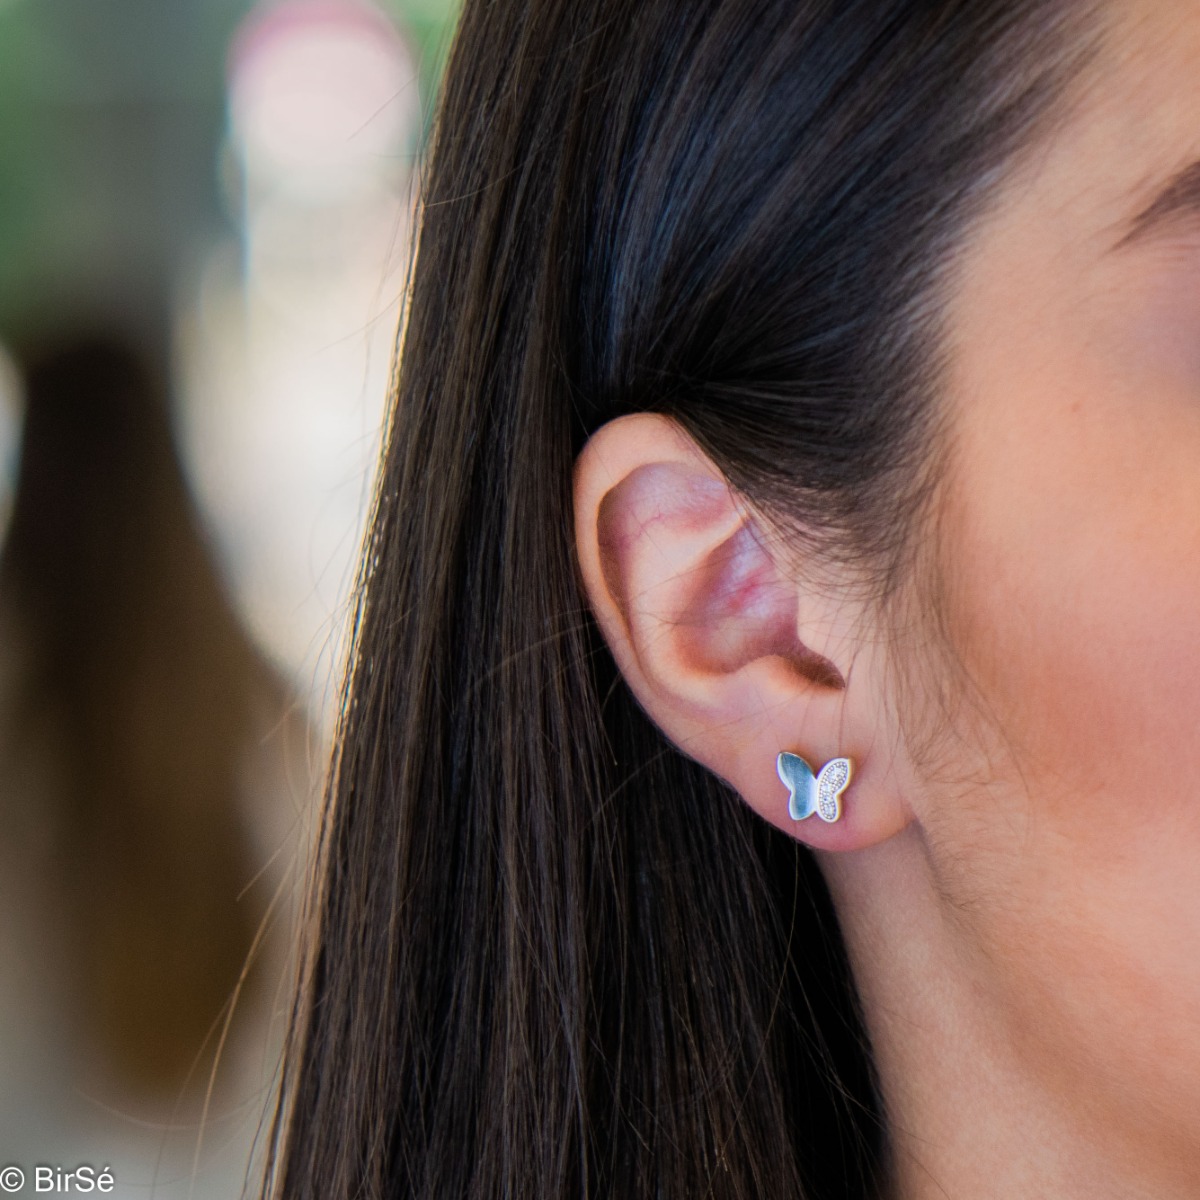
288, 336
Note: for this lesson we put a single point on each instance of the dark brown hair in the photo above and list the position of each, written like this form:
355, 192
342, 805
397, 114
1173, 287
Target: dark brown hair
550, 956
132, 701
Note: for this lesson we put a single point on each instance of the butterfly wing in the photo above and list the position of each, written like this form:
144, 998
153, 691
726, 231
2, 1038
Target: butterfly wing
831, 783
797, 777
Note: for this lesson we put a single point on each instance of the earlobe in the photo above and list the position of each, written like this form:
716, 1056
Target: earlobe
729, 654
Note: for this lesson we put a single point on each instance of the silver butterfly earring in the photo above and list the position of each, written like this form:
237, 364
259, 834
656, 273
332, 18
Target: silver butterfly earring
820, 793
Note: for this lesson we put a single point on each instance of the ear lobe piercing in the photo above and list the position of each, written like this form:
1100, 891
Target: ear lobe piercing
820, 793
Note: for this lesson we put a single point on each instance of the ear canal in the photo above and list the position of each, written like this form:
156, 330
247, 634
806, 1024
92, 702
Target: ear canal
743, 608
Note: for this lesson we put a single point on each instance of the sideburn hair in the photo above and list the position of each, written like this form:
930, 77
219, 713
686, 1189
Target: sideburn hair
548, 955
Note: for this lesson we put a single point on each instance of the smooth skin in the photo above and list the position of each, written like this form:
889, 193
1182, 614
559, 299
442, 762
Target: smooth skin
1017, 872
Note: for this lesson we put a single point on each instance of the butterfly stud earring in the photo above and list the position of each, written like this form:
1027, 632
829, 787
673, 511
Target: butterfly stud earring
820, 793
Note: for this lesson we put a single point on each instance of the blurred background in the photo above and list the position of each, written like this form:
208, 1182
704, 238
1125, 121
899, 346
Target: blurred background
205, 218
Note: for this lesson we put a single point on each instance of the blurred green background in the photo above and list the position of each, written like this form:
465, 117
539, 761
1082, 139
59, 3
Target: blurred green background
112, 113
205, 225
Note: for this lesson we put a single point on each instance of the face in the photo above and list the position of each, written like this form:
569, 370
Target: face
1066, 826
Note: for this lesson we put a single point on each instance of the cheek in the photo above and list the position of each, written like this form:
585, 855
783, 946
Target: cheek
1073, 552
1074, 544
1085, 640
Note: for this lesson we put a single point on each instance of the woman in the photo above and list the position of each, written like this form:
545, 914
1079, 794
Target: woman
815, 377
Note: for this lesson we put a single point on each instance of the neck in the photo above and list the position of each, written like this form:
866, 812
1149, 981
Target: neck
975, 1110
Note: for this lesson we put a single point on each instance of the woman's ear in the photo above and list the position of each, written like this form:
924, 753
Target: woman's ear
728, 653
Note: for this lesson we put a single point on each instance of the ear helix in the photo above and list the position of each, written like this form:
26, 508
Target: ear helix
821, 793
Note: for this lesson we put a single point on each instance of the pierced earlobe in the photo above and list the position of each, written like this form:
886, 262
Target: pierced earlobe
820, 793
